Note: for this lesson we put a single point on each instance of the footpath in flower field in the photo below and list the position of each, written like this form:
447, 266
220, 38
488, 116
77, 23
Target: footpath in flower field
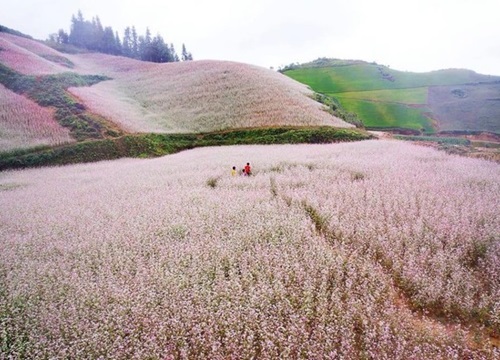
378, 249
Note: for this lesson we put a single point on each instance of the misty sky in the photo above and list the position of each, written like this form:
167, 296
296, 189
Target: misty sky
419, 35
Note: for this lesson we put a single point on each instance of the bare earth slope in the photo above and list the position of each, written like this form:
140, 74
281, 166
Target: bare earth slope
466, 107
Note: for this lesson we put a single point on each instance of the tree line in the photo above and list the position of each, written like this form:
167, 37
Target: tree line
92, 35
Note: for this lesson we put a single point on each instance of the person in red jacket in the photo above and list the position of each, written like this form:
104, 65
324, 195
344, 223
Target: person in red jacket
248, 170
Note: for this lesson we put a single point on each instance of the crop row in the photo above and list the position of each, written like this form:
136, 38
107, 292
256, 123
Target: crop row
27, 56
24, 124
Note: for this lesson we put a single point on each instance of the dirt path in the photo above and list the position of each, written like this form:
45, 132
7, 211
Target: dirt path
476, 336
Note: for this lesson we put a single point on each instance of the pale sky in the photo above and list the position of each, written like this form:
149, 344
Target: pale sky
416, 35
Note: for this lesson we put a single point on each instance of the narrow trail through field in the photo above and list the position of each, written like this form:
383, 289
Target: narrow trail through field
475, 335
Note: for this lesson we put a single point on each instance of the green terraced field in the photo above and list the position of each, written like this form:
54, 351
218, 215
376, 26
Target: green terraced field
364, 77
390, 115
412, 96
452, 99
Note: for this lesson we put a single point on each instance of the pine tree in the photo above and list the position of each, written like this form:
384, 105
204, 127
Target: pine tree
118, 44
160, 50
97, 40
93, 36
76, 33
186, 56
127, 43
82, 32
175, 57
135, 44
146, 50
108, 44
62, 37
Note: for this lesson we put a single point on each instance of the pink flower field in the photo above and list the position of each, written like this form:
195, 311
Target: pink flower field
28, 56
371, 250
196, 96
25, 124
182, 97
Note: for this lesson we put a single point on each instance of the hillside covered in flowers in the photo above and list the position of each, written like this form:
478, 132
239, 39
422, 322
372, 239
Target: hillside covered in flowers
132, 96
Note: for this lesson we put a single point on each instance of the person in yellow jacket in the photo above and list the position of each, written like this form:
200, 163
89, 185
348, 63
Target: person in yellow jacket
233, 171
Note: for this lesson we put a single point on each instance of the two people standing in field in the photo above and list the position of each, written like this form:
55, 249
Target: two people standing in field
246, 171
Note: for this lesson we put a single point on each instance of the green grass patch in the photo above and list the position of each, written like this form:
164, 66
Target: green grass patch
389, 115
486, 144
365, 77
337, 110
61, 60
379, 95
413, 96
339, 79
437, 139
51, 91
151, 145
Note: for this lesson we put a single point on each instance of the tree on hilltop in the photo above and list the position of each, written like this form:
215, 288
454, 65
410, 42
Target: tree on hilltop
145, 48
127, 43
175, 57
97, 41
186, 56
61, 37
118, 44
92, 35
135, 43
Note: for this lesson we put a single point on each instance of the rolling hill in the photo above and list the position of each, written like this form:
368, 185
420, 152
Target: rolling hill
99, 96
196, 96
444, 100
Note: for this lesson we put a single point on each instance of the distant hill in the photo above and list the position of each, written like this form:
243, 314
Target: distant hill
190, 96
5, 29
196, 96
444, 100
52, 99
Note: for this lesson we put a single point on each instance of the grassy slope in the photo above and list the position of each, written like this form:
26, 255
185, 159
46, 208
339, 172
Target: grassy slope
378, 114
363, 77
179, 98
148, 145
50, 91
417, 95
383, 97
